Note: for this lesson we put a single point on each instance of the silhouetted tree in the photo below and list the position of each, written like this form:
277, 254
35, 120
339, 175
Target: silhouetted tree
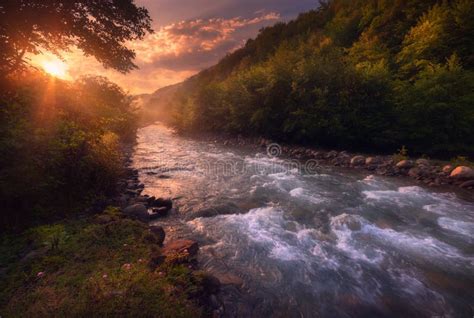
99, 28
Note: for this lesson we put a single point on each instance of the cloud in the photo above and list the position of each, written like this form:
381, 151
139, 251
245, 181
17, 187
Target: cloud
196, 44
175, 51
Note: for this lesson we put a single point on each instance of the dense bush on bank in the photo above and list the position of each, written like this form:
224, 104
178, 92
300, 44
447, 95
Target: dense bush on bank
351, 74
60, 144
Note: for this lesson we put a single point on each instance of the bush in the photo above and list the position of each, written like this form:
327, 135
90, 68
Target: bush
60, 145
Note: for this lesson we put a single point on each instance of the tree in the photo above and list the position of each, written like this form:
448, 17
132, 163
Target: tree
99, 28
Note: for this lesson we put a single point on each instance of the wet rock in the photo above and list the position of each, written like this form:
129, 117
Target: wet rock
229, 279
225, 209
448, 169
358, 161
331, 155
423, 162
133, 192
341, 160
414, 172
318, 155
371, 161
140, 199
462, 173
159, 212
346, 220
405, 164
138, 211
187, 247
160, 202
467, 184
159, 232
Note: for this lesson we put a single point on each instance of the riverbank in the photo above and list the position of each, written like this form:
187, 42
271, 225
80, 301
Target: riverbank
459, 173
102, 264
337, 242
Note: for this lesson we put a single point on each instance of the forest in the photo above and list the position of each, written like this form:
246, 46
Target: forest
352, 74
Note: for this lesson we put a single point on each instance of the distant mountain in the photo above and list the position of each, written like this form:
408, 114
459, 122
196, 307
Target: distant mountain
158, 105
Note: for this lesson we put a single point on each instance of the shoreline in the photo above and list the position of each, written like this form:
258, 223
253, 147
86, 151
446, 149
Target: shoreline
147, 210
434, 174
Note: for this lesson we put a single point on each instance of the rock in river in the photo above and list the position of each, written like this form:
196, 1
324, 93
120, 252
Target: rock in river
462, 173
138, 211
405, 164
225, 209
358, 161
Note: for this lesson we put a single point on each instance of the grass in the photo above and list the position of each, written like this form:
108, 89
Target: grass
85, 268
401, 155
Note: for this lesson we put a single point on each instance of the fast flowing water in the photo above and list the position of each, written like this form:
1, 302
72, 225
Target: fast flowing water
289, 240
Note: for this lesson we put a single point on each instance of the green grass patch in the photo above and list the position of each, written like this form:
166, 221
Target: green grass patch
84, 268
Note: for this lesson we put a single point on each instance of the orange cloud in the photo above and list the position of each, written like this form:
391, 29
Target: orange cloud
174, 52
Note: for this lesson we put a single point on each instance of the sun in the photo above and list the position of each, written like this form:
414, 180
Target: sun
55, 68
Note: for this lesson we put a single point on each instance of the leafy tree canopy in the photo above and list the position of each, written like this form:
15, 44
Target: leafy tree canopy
99, 28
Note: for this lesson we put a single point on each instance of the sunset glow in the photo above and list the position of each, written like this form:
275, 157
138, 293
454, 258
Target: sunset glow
55, 68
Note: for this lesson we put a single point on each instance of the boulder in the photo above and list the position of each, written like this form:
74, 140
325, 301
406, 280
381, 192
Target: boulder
133, 192
448, 169
187, 247
225, 209
414, 172
155, 235
358, 161
160, 202
462, 173
423, 162
373, 161
405, 164
159, 212
467, 184
159, 233
138, 211
331, 155
341, 160
318, 154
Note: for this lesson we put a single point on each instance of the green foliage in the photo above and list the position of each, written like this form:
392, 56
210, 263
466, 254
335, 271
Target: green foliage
462, 161
60, 145
50, 236
98, 28
401, 155
352, 74
86, 276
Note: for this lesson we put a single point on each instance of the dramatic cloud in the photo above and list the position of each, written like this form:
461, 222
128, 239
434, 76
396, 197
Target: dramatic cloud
196, 44
190, 35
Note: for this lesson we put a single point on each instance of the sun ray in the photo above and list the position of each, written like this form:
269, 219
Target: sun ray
56, 68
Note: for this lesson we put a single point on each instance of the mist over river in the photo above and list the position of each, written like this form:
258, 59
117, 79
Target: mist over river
290, 239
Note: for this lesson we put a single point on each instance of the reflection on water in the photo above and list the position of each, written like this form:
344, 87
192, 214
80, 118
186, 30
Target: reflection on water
296, 243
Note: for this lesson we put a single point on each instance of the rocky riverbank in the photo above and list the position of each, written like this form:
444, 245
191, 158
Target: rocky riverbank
432, 173
179, 252
105, 262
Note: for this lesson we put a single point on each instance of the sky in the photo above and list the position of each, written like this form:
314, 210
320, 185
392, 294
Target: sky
190, 35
